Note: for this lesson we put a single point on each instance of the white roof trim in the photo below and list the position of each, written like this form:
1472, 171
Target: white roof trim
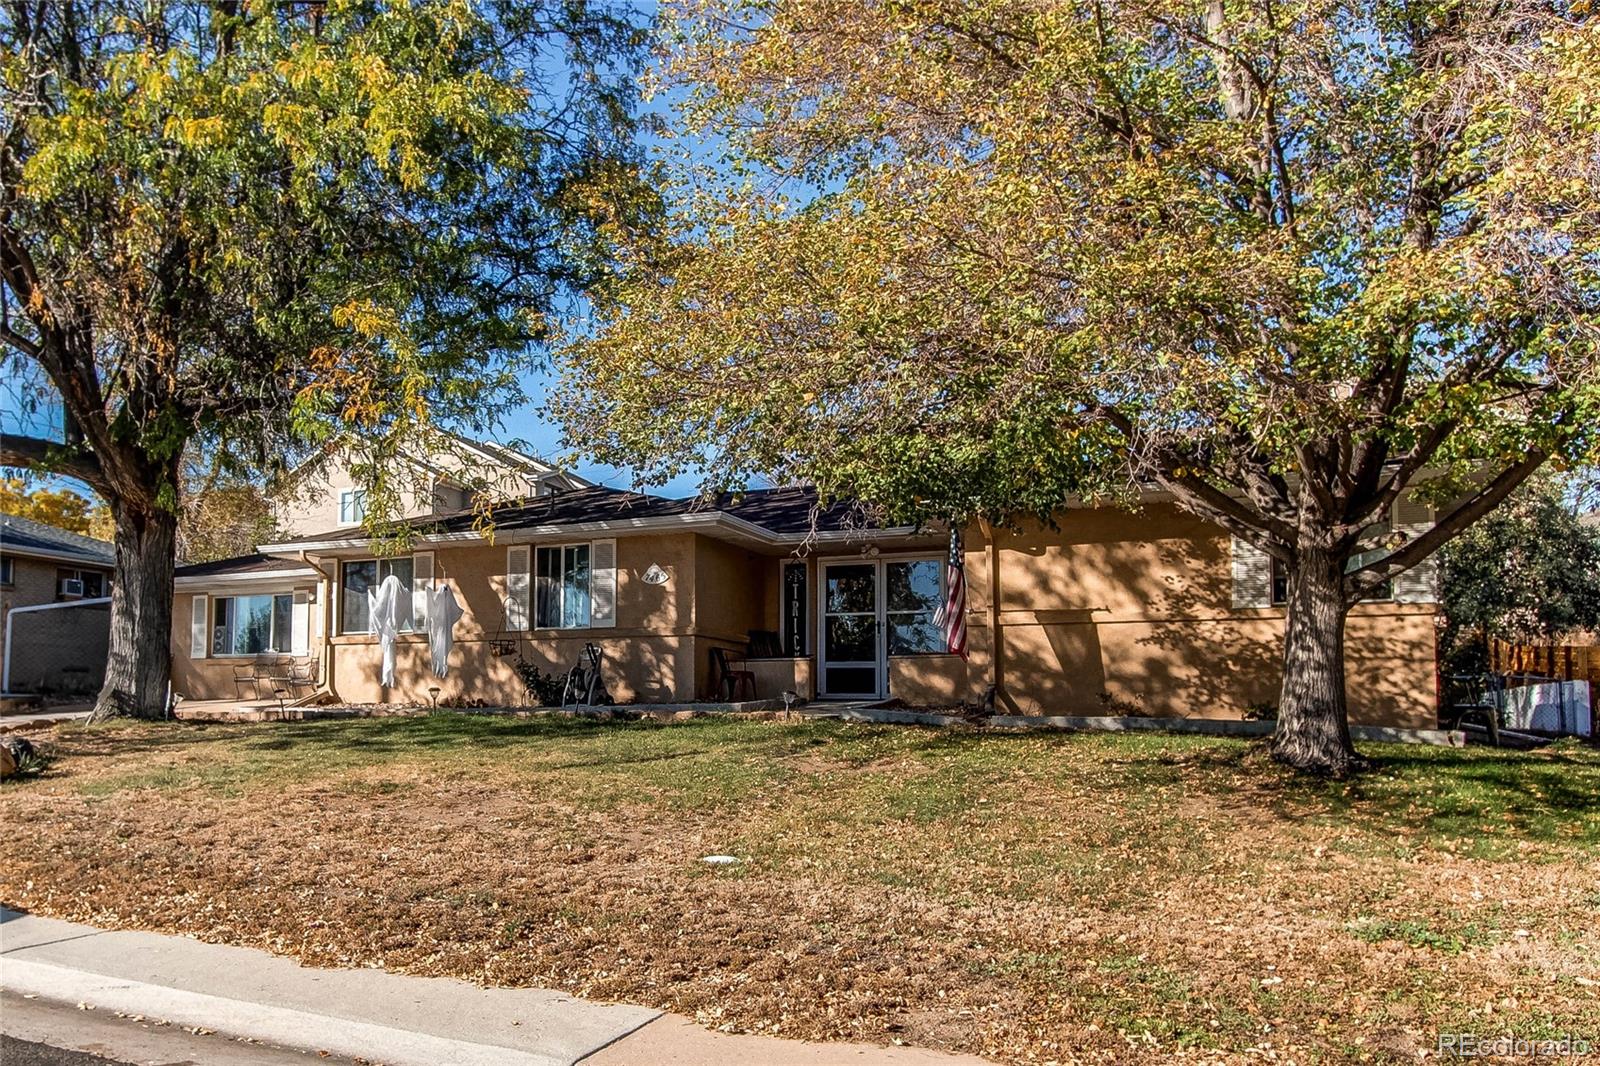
738, 528
247, 577
63, 556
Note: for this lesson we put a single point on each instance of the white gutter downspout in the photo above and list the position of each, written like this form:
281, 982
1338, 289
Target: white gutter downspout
5, 668
325, 653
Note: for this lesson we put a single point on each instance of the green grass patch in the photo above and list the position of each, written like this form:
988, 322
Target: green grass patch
1451, 940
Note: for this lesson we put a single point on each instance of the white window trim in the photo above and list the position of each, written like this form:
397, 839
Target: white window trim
818, 585
1273, 564
533, 586
270, 653
416, 625
79, 574
348, 501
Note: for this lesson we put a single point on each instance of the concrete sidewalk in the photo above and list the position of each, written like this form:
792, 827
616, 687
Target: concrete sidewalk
373, 1015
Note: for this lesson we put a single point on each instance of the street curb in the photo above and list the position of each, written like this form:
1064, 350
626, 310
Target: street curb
280, 1026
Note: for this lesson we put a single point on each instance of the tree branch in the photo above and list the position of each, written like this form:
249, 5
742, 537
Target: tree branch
1362, 582
53, 457
19, 342
1271, 535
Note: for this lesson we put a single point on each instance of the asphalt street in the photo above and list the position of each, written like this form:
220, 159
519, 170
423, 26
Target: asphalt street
39, 1032
14, 1052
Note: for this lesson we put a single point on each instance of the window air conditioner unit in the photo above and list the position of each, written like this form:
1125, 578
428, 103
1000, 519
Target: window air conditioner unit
72, 586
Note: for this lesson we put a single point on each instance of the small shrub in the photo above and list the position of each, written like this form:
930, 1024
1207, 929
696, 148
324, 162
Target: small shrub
1261, 712
546, 689
22, 759
1115, 704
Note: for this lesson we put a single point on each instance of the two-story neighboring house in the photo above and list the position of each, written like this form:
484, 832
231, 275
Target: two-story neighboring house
53, 581
325, 493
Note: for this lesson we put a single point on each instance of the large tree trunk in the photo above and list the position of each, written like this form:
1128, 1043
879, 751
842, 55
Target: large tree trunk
1313, 732
140, 665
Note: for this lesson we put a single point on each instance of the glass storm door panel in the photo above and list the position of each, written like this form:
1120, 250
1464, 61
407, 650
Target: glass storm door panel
850, 631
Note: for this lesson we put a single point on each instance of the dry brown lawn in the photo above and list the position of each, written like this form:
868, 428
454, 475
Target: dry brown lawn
1029, 898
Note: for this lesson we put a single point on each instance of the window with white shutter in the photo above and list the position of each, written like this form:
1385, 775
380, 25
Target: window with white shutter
300, 624
517, 587
1252, 575
1414, 517
421, 586
199, 628
603, 584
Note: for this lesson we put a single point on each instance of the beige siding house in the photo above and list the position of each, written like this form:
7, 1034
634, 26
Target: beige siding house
325, 493
1152, 612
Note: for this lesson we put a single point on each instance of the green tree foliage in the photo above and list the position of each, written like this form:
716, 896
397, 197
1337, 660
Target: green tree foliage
221, 514
1283, 262
1529, 572
248, 224
61, 508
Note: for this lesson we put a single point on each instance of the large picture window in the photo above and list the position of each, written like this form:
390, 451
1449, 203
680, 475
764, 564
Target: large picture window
252, 625
913, 594
561, 587
355, 616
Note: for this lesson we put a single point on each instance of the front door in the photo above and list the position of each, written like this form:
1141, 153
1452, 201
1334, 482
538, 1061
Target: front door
851, 661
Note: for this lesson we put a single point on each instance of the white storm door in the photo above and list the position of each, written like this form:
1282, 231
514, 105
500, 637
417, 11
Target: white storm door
850, 630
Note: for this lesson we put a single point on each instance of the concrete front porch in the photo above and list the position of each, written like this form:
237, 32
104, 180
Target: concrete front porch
271, 711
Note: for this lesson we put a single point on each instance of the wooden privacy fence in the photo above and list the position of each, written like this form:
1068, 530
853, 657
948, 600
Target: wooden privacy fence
1564, 662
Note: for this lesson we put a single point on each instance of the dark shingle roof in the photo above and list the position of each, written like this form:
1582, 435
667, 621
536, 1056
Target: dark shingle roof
23, 535
785, 511
239, 564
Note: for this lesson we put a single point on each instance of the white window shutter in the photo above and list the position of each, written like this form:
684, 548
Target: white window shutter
1414, 517
517, 587
603, 584
1252, 575
421, 587
199, 627
300, 624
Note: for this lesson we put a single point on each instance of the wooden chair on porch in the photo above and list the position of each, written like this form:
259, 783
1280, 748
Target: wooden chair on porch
765, 644
730, 677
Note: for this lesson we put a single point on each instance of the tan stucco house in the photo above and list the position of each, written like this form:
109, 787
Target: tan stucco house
1151, 612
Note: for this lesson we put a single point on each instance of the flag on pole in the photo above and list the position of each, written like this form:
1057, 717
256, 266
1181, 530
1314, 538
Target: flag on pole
952, 614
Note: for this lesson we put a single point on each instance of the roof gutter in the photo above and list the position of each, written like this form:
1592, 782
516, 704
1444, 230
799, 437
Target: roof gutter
63, 556
5, 665
325, 650
523, 534
211, 581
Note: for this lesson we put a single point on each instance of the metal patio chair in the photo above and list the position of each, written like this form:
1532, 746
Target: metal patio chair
585, 684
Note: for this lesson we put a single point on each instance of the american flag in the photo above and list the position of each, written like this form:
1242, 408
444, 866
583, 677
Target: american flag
952, 614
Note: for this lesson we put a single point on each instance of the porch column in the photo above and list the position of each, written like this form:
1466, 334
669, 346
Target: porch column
988, 658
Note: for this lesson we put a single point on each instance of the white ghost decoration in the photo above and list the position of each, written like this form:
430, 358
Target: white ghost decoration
443, 613
385, 605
